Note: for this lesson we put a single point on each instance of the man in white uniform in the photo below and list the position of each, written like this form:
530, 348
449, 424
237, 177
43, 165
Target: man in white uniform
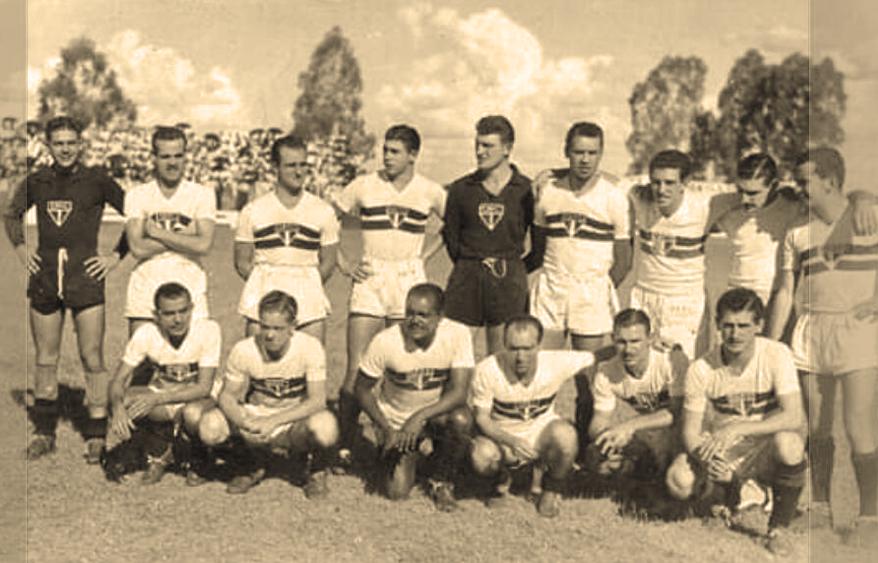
513, 393
393, 206
424, 366
287, 240
184, 353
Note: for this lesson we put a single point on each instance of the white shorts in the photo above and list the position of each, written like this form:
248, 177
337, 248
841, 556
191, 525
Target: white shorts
302, 283
383, 293
530, 432
145, 280
583, 307
834, 343
677, 319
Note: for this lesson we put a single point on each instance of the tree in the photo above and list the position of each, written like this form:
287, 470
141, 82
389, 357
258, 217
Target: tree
330, 101
663, 108
85, 88
779, 109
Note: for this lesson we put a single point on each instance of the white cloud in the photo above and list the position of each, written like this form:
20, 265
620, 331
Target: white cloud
776, 42
488, 63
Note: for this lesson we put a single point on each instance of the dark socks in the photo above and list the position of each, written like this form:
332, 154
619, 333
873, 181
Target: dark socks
821, 453
94, 428
866, 470
788, 483
44, 415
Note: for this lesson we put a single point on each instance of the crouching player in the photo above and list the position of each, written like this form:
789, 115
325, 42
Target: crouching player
274, 397
651, 383
185, 354
514, 397
425, 365
756, 431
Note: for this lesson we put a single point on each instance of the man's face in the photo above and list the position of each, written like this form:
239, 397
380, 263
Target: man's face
174, 315
584, 154
738, 330
170, 160
753, 193
421, 318
292, 169
632, 345
667, 186
65, 147
397, 158
490, 151
275, 330
522, 347
812, 186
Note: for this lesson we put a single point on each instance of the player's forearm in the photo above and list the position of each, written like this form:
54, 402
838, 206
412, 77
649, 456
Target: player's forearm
691, 432
785, 420
184, 394
143, 248
14, 225
492, 430
599, 422
187, 244
118, 385
303, 410
431, 247
622, 261
369, 404
327, 265
781, 306
662, 418
231, 407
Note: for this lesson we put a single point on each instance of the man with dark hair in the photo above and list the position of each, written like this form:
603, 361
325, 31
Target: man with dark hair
513, 393
755, 432
650, 382
424, 366
393, 206
170, 224
66, 271
287, 240
488, 214
274, 398
836, 333
184, 355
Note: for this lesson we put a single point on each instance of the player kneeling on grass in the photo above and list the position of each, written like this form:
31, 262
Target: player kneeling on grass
185, 355
651, 383
514, 396
755, 434
425, 365
274, 397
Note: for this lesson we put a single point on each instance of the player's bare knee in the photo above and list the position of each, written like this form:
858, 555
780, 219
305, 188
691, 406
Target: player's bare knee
460, 421
192, 414
789, 448
213, 428
485, 456
398, 488
563, 438
323, 428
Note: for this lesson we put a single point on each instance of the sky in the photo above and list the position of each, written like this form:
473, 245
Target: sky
439, 65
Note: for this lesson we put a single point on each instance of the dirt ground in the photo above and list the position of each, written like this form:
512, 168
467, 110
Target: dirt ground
59, 509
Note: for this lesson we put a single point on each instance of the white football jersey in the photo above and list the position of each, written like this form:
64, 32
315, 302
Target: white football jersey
199, 349
648, 393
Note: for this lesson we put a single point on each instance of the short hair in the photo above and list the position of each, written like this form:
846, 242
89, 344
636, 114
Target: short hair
740, 299
163, 133
278, 301
170, 290
432, 292
496, 125
758, 166
583, 129
632, 317
287, 141
407, 134
62, 123
828, 163
521, 322
673, 159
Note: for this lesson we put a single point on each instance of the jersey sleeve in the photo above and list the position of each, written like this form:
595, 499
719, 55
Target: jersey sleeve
113, 193
482, 393
315, 362
620, 214
211, 346
785, 376
788, 255
346, 200
236, 365
604, 398
373, 362
134, 204
437, 196
206, 207
695, 398
137, 348
463, 349
329, 234
244, 228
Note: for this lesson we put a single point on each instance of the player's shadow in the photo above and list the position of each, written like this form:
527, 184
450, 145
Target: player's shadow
71, 404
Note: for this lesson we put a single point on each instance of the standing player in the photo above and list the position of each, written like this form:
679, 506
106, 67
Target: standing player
651, 383
287, 240
274, 397
393, 206
672, 224
514, 397
836, 335
185, 354
487, 216
751, 384
169, 222
425, 365
65, 271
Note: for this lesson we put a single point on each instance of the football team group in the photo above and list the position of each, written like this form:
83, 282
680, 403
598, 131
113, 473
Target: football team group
713, 404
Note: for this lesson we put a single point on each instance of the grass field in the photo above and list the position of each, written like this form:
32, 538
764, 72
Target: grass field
59, 509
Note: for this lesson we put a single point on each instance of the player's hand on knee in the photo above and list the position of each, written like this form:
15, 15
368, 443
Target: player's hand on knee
719, 470
866, 311
410, 432
362, 272
99, 266
865, 218
614, 439
523, 450
142, 405
390, 440
121, 425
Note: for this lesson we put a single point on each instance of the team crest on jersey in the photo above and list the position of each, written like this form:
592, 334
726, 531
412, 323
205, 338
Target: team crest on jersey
662, 244
572, 223
743, 402
831, 254
491, 214
277, 386
178, 372
286, 232
418, 378
169, 220
59, 210
396, 215
646, 401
